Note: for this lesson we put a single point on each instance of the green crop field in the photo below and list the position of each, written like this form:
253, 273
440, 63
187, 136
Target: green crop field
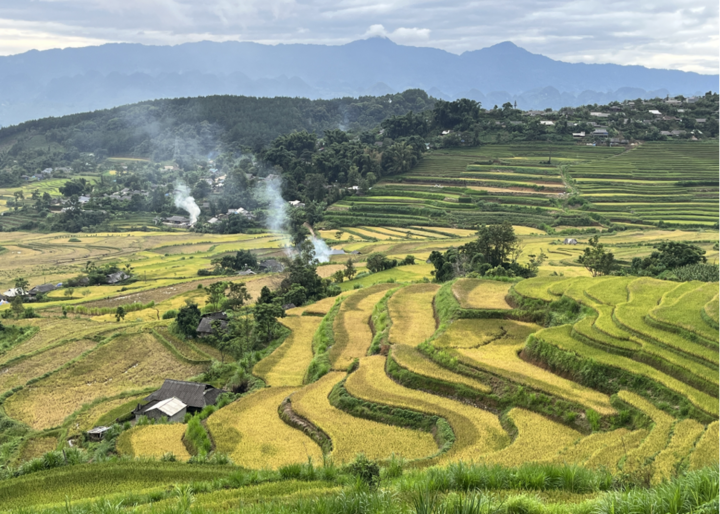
470, 186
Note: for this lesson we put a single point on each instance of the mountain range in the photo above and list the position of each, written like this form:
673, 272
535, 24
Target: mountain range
38, 84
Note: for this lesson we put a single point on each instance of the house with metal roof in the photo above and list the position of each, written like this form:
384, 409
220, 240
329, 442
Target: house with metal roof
194, 395
172, 409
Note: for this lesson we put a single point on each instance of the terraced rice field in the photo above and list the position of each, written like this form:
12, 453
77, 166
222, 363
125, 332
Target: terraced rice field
126, 363
412, 314
154, 441
538, 439
286, 366
624, 336
37, 365
352, 329
481, 294
351, 435
503, 360
476, 431
251, 432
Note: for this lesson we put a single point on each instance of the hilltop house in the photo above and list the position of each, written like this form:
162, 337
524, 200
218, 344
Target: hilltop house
205, 326
195, 397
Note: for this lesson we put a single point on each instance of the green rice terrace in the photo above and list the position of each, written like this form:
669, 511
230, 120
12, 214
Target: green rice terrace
554, 394
548, 185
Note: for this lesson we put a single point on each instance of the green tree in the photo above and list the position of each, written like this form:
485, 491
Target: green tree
69, 292
375, 262
16, 305
596, 260
119, 313
266, 315
215, 293
22, 285
350, 270
339, 276
187, 319
237, 295
497, 243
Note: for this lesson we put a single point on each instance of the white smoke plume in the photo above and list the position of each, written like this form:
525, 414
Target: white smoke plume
322, 250
184, 201
271, 193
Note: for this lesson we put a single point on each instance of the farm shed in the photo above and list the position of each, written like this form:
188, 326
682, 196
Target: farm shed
97, 433
570, 241
195, 396
205, 326
172, 409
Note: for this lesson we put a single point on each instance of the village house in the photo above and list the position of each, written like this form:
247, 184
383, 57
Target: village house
172, 409
177, 221
570, 241
42, 289
205, 327
96, 434
195, 396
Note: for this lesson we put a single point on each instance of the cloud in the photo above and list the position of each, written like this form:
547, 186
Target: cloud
656, 33
402, 35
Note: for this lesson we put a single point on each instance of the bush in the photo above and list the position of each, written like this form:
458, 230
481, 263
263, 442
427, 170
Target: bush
364, 469
196, 438
171, 314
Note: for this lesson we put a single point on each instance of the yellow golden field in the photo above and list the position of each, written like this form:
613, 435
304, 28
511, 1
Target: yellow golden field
473, 333
538, 439
476, 431
36, 447
481, 294
584, 448
251, 432
88, 418
658, 438
412, 314
706, 449
503, 360
609, 456
124, 364
155, 441
41, 363
287, 364
351, 435
685, 434
409, 358
352, 325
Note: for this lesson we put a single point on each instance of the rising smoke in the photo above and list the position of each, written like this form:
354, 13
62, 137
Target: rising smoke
271, 193
184, 201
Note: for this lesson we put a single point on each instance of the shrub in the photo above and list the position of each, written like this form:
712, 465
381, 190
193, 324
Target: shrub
171, 314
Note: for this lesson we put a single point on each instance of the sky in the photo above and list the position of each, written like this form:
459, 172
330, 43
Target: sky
654, 33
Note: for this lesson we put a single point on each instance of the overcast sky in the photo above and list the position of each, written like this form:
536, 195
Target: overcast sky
655, 33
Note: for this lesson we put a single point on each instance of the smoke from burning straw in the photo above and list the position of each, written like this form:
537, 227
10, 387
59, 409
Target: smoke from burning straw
184, 201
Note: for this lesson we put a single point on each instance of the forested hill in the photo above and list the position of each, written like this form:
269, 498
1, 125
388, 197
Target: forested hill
188, 127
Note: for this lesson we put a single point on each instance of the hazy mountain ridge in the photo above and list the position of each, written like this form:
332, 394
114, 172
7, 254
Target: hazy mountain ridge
57, 82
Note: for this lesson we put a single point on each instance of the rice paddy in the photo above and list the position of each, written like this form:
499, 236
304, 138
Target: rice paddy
352, 329
125, 363
251, 432
476, 431
412, 314
154, 441
286, 366
481, 294
351, 435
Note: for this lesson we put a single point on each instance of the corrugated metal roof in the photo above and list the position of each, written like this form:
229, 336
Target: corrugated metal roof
191, 394
169, 407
